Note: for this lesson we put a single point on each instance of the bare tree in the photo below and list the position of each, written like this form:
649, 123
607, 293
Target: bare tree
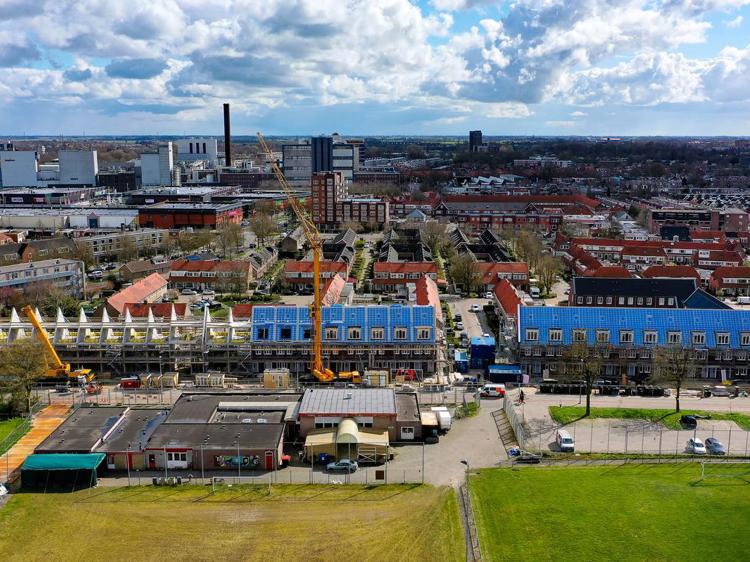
529, 248
435, 236
353, 225
84, 253
128, 250
547, 271
263, 226
674, 364
464, 272
583, 364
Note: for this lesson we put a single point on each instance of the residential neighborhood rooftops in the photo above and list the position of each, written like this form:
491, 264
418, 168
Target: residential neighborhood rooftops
137, 292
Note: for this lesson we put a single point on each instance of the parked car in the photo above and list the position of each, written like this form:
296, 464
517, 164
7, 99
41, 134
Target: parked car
689, 422
492, 391
475, 308
459, 325
457, 318
96, 274
343, 465
715, 447
696, 446
488, 295
208, 293
528, 458
188, 292
111, 266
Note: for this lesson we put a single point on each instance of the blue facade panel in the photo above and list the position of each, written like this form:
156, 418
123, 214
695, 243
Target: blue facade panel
290, 323
636, 321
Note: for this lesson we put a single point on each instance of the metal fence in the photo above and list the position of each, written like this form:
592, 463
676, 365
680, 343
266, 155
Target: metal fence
634, 437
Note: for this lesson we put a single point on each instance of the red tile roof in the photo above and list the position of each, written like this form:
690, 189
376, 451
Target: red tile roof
210, 265
159, 310
723, 255
293, 266
332, 290
641, 251
490, 271
609, 271
428, 294
722, 272
650, 244
137, 292
244, 310
404, 267
671, 271
543, 199
508, 297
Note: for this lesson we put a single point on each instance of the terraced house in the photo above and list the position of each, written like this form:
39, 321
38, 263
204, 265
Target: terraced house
354, 338
719, 340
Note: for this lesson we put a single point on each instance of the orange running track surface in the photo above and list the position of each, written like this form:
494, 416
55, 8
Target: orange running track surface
42, 426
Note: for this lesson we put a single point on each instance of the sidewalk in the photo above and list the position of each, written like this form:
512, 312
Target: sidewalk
43, 424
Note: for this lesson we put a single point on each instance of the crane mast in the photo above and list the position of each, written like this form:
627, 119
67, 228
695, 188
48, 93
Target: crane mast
316, 244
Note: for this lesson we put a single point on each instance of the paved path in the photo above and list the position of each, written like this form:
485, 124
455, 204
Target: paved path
43, 424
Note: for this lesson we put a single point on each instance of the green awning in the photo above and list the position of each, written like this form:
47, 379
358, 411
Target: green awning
87, 461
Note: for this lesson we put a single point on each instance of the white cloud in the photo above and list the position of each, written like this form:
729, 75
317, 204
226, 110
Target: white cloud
578, 114
735, 23
560, 124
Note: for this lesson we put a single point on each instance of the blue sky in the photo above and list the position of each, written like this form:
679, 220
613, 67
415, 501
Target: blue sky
528, 67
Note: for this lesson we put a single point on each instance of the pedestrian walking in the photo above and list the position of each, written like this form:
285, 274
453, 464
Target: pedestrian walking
521, 397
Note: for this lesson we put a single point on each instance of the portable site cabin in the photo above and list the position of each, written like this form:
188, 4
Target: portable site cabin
64, 471
347, 441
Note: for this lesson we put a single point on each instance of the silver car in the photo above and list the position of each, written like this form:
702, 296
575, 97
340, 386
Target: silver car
715, 447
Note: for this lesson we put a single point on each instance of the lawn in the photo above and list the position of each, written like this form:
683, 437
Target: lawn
670, 418
626, 512
7, 427
236, 523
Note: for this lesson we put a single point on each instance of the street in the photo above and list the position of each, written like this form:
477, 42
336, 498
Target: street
475, 323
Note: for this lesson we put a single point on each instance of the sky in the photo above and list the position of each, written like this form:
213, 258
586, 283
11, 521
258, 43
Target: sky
375, 67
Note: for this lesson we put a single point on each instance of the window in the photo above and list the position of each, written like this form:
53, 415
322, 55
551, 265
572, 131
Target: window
579, 300
285, 333
670, 301
699, 338
555, 335
630, 301
332, 333
602, 336
262, 333
423, 333
745, 338
649, 301
599, 300
306, 333
626, 336
661, 301
589, 300
649, 336
621, 300
399, 333
579, 336
674, 337
609, 300
355, 333
640, 301
722, 338
377, 334
532, 334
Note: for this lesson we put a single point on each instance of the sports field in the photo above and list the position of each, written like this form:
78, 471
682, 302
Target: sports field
626, 512
238, 523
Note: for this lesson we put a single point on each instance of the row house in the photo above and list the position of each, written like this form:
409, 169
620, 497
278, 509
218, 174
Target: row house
221, 276
393, 276
731, 280
517, 273
299, 274
718, 258
639, 292
718, 341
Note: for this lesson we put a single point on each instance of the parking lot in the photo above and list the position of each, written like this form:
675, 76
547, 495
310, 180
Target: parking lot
475, 323
630, 436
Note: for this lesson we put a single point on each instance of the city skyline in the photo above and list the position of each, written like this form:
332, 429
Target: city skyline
437, 67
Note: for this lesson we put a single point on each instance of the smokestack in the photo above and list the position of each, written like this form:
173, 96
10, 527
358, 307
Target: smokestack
227, 137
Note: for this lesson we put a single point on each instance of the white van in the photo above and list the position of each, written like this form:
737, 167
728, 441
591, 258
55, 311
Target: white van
743, 300
535, 292
565, 442
492, 391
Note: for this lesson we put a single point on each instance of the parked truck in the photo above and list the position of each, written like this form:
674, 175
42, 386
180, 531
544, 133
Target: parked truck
443, 416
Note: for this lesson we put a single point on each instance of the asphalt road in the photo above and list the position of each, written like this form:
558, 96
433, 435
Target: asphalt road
475, 323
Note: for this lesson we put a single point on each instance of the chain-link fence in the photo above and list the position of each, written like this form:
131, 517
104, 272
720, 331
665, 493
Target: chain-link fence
636, 437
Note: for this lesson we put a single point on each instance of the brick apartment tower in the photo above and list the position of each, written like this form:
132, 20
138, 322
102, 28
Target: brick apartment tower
327, 189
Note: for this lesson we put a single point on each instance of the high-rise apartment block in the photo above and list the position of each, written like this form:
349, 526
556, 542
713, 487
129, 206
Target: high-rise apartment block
297, 161
475, 141
332, 206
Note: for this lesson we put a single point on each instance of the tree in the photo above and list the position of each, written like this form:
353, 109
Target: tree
509, 238
434, 235
57, 298
673, 364
464, 272
355, 226
263, 226
84, 253
22, 364
583, 364
230, 238
128, 250
547, 270
529, 248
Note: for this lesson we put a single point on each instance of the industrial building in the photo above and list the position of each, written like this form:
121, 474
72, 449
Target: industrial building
193, 149
360, 337
157, 168
182, 215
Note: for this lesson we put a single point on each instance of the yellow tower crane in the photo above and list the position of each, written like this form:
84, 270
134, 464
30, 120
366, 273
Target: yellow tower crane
58, 369
316, 244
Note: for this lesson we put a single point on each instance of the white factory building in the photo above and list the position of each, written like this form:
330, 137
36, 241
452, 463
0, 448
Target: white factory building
25, 218
190, 150
21, 168
157, 168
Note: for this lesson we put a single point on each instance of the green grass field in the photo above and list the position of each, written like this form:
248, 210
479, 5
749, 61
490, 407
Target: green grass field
627, 512
8, 427
236, 523
670, 418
